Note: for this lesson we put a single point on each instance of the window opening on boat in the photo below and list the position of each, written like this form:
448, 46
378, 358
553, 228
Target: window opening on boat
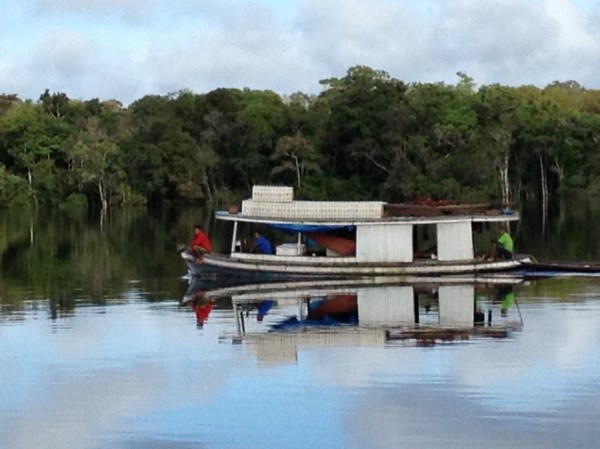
322, 240
425, 241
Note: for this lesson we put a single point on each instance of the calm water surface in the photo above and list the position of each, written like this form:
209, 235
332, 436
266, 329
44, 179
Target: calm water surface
96, 352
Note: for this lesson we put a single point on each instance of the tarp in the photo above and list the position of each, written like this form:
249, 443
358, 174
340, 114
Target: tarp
295, 228
326, 236
342, 246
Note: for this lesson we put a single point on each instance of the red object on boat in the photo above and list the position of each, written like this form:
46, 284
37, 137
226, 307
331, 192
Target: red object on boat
342, 246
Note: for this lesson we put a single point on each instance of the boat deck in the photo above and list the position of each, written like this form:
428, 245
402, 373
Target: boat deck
350, 266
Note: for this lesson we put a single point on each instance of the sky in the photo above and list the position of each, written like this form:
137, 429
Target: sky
125, 49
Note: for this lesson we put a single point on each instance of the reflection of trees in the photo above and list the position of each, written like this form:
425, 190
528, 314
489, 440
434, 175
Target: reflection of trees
569, 236
16, 233
71, 260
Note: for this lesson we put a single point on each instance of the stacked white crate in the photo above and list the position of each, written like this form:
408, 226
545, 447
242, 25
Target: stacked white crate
265, 199
273, 194
316, 210
334, 210
277, 203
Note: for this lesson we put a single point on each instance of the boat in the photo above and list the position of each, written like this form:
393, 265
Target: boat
277, 318
562, 268
325, 239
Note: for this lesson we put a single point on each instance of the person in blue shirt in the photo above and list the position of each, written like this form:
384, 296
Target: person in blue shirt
262, 245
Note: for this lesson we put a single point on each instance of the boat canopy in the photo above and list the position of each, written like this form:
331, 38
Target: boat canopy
295, 228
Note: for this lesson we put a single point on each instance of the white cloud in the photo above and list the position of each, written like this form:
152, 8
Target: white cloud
130, 10
125, 49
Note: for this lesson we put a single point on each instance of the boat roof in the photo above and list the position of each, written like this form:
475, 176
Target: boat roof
394, 220
276, 205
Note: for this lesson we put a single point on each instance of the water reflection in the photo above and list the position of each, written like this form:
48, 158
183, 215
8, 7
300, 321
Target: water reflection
202, 306
136, 373
127, 367
277, 318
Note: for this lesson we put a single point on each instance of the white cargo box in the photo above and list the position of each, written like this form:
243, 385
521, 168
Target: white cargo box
290, 249
316, 210
273, 194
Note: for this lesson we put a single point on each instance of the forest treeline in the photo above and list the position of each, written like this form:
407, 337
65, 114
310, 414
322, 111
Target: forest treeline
365, 136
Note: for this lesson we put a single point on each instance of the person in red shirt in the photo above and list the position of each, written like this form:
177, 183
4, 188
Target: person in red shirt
201, 244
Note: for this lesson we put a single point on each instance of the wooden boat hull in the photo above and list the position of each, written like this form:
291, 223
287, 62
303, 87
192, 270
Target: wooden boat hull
563, 267
269, 266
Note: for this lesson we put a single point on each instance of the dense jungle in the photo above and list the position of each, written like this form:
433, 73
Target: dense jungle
365, 136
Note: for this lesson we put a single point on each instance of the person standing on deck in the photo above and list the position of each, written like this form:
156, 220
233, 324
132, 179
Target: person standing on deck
201, 244
502, 248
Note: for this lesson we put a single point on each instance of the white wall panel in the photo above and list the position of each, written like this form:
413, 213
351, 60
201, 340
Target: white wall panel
380, 243
455, 241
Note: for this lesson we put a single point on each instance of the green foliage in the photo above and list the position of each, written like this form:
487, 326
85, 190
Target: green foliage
366, 136
297, 158
75, 204
128, 197
13, 189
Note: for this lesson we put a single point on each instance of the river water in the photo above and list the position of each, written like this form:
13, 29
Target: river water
96, 350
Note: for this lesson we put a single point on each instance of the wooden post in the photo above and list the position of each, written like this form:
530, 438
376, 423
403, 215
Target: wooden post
234, 238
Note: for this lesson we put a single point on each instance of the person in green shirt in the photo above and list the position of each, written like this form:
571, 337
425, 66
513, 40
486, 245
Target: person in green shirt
502, 248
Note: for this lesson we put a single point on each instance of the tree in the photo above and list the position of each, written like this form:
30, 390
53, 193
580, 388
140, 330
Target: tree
296, 155
364, 127
144, 161
95, 156
31, 138
496, 108
56, 104
7, 101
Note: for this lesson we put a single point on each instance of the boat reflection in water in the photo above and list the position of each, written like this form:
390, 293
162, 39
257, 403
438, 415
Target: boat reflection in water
278, 319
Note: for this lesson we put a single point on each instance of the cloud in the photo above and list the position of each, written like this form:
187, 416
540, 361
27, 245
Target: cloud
384, 34
125, 49
513, 42
70, 61
130, 10
69, 53
245, 47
